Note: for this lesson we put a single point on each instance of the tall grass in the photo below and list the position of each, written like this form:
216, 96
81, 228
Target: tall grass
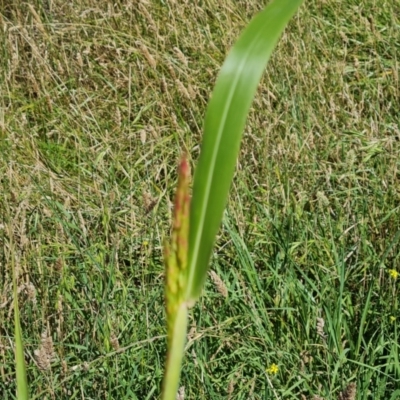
194, 232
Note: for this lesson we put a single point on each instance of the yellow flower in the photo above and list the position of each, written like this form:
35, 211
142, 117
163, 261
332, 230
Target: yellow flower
392, 319
273, 369
393, 273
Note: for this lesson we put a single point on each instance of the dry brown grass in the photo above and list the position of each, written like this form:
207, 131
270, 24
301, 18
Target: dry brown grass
97, 100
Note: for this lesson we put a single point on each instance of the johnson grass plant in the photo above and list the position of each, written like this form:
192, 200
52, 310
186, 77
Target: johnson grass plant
196, 222
98, 100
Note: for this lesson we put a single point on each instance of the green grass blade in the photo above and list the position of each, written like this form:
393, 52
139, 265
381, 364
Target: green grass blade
22, 381
224, 123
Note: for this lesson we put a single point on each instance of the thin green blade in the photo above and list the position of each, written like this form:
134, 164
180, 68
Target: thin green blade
224, 123
22, 381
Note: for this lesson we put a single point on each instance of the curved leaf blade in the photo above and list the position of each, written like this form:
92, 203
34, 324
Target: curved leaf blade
224, 123
20, 366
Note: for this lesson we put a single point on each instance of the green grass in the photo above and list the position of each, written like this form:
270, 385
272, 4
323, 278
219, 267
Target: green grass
91, 129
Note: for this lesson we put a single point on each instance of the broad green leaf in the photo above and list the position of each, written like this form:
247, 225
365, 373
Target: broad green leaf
224, 123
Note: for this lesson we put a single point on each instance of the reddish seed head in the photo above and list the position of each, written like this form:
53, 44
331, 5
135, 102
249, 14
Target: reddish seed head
184, 168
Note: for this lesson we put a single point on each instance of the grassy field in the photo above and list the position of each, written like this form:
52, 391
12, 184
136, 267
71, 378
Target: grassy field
97, 101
